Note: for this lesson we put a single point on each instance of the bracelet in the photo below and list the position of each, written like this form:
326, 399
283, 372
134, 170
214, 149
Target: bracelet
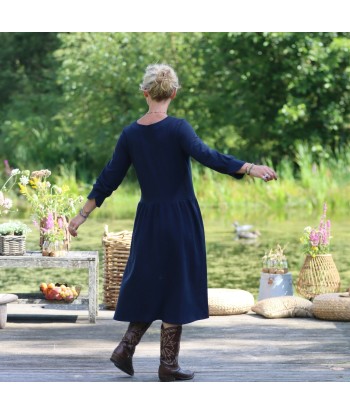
81, 213
250, 168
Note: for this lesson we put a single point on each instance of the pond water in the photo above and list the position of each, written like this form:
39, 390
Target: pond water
231, 263
236, 263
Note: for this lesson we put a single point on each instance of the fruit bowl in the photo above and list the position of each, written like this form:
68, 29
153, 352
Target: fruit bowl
57, 292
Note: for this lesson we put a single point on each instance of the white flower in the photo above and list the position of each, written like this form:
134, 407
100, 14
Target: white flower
24, 180
15, 171
7, 203
48, 184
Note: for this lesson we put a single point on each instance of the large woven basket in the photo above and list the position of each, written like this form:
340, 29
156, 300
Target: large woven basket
116, 250
318, 275
12, 244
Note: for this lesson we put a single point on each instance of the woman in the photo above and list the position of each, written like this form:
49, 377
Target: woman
166, 276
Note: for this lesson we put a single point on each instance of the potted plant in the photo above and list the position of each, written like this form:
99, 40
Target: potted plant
51, 206
319, 273
13, 238
275, 261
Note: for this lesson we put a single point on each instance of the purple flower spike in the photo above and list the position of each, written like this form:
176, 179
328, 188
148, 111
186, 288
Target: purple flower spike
49, 221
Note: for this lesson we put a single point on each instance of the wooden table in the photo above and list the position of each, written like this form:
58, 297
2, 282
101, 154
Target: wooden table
72, 259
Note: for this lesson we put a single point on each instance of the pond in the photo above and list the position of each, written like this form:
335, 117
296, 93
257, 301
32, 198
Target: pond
236, 263
232, 263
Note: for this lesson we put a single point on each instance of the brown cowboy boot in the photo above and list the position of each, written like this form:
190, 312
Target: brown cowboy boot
123, 353
169, 369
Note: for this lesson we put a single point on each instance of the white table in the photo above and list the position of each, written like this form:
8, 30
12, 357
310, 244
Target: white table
72, 259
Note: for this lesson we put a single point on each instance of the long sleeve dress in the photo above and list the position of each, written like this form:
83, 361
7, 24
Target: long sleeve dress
166, 274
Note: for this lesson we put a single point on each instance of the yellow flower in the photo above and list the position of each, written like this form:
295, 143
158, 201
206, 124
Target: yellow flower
22, 189
34, 182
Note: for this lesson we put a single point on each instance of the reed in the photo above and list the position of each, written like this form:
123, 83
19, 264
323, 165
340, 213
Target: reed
303, 185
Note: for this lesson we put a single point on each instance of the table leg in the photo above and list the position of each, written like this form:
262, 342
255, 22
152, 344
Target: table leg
93, 284
3, 315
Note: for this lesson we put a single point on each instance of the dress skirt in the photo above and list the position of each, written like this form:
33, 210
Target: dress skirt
166, 276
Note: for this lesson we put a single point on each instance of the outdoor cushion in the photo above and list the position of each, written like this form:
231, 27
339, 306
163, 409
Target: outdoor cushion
7, 298
332, 306
227, 301
285, 306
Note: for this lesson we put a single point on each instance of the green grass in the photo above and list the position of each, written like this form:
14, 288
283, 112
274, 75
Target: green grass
231, 263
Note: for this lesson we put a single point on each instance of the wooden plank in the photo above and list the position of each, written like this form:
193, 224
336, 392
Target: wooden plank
34, 259
242, 348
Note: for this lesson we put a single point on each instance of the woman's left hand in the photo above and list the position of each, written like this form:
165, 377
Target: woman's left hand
263, 172
74, 224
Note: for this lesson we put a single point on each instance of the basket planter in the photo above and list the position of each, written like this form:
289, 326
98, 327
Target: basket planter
12, 245
116, 250
318, 275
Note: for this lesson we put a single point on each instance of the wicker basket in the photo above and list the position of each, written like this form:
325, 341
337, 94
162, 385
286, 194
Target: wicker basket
12, 245
333, 306
116, 250
318, 275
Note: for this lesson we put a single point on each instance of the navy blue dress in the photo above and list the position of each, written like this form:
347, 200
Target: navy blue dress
166, 274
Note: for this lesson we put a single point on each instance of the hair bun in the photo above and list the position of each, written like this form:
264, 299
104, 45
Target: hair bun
163, 75
160, 80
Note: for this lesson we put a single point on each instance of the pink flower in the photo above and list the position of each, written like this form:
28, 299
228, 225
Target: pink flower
49, 221
314, 237
60, 223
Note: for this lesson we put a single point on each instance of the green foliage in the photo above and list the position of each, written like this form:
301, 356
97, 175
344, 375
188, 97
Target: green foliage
64, 98
14, 228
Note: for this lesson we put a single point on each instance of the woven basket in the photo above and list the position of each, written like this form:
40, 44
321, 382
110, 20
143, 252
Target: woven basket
12, 245
318, 275
116, 250
334, 306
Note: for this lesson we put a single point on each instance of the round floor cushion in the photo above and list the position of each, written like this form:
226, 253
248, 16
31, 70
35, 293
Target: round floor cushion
332, 306
227, 301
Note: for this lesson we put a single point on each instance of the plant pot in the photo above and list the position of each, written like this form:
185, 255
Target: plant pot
12, 245
318, 275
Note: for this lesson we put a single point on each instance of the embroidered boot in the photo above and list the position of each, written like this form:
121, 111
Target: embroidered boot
169, 369
123, 353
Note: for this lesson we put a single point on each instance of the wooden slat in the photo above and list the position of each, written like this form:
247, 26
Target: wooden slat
240, 348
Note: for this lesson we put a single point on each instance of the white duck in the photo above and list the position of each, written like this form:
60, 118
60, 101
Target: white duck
245, 232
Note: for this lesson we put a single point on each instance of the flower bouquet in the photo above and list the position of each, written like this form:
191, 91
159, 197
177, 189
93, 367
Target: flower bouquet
316, 241
51, 206
319, 273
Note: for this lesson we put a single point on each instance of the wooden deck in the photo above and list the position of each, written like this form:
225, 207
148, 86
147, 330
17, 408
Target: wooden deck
50, 345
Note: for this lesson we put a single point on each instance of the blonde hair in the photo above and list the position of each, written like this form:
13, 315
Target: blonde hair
160, 81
